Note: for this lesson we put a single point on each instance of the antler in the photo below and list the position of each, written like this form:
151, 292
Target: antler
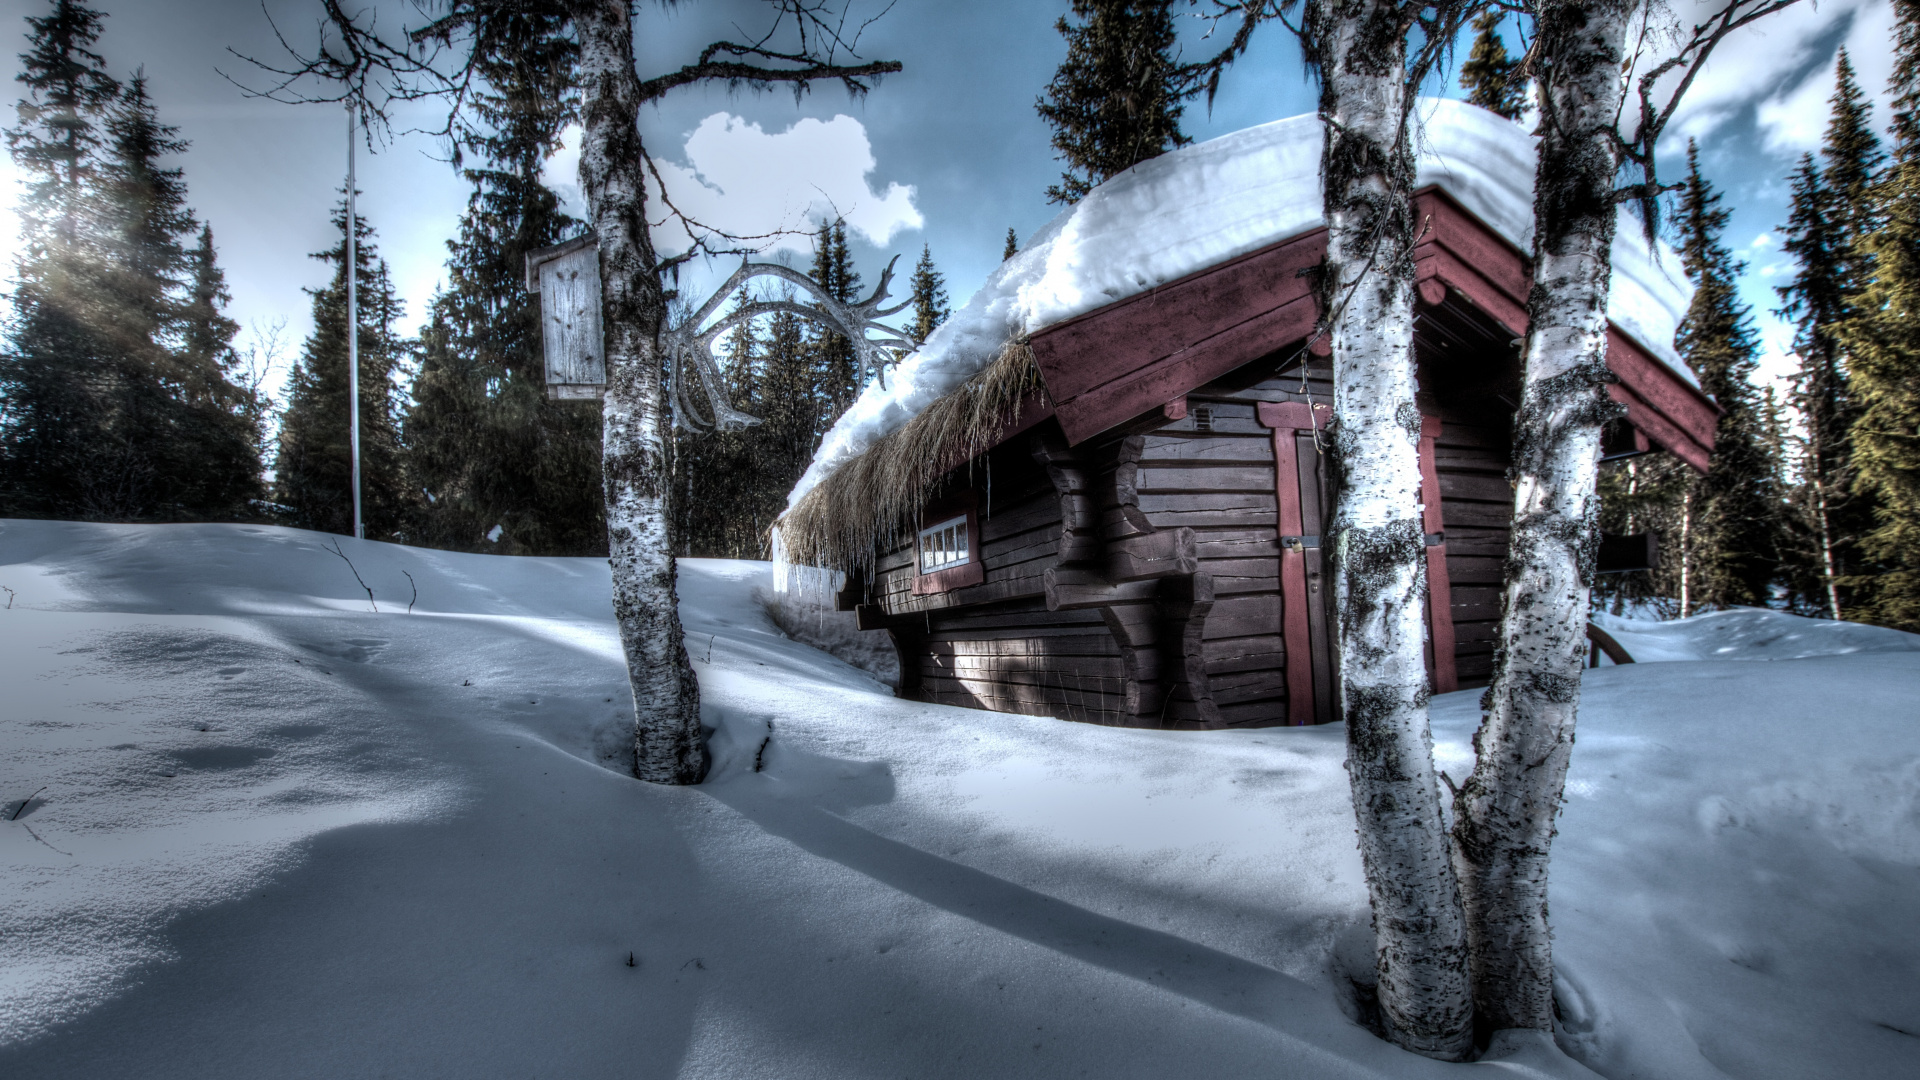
692, 346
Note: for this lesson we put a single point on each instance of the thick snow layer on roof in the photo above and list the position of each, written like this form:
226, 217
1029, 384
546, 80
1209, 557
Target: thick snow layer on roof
1190, 209
251, 827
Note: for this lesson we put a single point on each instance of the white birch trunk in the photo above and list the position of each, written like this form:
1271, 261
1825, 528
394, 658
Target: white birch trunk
668, 748
1378, 549
1505, 813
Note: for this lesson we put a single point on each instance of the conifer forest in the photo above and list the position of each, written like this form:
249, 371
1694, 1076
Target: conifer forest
870, 538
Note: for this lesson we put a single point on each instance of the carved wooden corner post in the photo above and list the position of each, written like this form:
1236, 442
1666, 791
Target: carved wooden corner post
1146, 583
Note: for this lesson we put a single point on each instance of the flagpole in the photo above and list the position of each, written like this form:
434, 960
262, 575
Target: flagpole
353, 331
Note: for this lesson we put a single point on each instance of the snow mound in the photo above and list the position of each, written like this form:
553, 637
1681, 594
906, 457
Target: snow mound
1749, 634
1204, 204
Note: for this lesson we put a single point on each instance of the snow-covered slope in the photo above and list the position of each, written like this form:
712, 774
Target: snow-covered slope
274, 833
1200, 205
1749, 634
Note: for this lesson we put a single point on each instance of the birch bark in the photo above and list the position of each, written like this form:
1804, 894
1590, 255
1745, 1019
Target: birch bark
1378, 544
668, 748
1504, 814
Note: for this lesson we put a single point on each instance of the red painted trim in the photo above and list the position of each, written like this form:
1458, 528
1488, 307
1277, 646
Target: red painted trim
1288, 419
1439, 585
953, 577
971, 572
1127, 359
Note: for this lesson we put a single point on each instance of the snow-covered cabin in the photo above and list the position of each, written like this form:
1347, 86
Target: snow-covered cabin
1097, 492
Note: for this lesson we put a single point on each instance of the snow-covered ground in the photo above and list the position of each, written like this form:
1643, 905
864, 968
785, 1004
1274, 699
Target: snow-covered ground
275, 833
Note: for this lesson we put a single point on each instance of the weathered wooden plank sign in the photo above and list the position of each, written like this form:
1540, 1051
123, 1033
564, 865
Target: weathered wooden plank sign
567, 279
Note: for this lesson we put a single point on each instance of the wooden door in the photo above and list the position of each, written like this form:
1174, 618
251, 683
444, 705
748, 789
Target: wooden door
1301, 494
1304, 501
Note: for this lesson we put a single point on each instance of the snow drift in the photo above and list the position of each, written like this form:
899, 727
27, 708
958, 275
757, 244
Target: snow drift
1204, 204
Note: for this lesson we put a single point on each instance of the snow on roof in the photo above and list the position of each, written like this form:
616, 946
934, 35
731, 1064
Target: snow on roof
1204, 204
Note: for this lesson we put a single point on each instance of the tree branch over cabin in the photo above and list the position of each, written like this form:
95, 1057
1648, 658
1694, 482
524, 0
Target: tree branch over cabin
439, 59
1659, 91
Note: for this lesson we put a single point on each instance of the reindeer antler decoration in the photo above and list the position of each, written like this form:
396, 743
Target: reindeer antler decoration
692, 347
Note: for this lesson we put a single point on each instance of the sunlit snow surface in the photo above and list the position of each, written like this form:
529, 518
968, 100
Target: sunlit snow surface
282, 835
1201, 205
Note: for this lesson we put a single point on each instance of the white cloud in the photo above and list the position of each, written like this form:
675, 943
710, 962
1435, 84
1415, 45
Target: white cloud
1764, 240
1757, 67
739, 179
1795, 117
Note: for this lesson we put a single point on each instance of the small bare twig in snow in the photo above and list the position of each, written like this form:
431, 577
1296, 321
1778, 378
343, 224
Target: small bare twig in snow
416, 591
24, 803
10, 595
356, 576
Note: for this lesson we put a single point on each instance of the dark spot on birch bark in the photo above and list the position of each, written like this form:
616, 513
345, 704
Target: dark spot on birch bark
1372, 557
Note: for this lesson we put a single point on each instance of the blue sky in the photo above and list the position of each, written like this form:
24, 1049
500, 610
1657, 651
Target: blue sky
948, 154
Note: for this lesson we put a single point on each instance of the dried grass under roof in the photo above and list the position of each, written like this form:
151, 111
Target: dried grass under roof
868, 501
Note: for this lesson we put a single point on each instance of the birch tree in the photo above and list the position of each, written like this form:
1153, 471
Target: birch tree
805, 41
1367, 86
1504, 813
1371, 57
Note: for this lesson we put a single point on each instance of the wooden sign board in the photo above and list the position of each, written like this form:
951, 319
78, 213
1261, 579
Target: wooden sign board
567, 279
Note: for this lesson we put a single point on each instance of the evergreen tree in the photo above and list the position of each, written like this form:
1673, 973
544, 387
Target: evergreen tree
313, 469
1832, 213
1491, 78
791, 417
1114, 101
111, 413
929, 298
1881, 339
1013, 245
483, 440
185, 424
1736, 505
729, 501
58, 400
837, 368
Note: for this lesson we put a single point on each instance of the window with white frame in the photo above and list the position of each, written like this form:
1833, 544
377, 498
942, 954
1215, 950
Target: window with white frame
943, 545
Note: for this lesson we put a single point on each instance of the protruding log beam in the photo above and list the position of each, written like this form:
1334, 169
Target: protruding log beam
1156, 555
1073, 589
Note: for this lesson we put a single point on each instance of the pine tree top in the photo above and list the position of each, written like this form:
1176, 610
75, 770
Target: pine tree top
1851, 149
1491, 77
1717, 336
1013, 245
1113, 101
929, 297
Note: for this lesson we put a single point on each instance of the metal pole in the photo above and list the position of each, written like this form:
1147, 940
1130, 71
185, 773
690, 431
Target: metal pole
353, 332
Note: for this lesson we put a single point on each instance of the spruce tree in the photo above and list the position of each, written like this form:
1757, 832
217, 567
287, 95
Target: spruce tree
1832, 212
1491, 78
790, 410
59, 401
313, 478
1881, 338
1114, 102
182, 425
483, 440
728, 502
929, 298
1012, 247
1736, 505
839, 379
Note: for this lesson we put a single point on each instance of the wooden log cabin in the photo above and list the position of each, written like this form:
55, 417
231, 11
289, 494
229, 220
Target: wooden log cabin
1136, 537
